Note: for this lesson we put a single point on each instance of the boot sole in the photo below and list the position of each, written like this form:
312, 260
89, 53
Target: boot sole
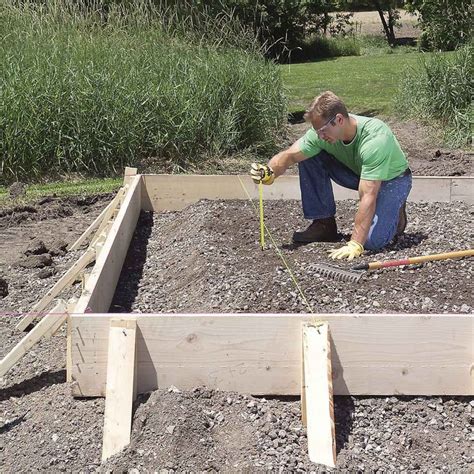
302, 240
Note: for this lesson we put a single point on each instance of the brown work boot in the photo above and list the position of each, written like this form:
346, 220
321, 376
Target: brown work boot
321, 230
402, 219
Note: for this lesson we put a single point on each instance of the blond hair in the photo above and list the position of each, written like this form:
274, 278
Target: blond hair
326, 106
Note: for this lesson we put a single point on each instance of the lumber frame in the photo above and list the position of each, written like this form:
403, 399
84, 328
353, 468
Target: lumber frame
121, 390
100, 286
261, 354
159, 192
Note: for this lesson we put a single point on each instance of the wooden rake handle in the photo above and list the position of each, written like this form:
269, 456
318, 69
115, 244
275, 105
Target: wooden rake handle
413, 260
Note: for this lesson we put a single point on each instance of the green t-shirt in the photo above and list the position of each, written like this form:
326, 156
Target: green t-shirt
374, 153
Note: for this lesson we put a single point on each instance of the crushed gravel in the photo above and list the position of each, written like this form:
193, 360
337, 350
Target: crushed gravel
207, 258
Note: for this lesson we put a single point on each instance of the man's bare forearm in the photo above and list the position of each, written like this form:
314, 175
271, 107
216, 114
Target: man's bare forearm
283, 160
363, 218
280, 163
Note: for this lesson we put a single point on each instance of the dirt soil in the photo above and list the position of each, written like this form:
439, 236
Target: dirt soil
210, 251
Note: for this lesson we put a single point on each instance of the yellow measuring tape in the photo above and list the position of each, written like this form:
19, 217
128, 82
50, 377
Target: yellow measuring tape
262, 224
264, 228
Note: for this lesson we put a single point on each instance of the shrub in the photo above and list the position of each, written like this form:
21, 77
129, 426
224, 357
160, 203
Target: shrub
320, 47
445, 24
441, 89
84, 95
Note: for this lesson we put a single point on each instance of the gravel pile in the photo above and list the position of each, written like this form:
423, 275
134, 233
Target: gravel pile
216, 431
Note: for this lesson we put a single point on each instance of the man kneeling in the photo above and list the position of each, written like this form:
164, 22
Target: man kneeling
355, 152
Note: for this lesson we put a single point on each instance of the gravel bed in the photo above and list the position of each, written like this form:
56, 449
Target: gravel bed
207, 258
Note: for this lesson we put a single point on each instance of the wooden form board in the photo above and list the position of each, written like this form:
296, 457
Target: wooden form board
174, 192
100, 286
261, 354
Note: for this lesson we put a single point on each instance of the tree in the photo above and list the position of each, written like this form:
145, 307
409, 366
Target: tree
384, 8
392, 20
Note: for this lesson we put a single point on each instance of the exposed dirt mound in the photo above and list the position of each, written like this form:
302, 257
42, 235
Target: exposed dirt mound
49, 208
427, 157
52, 220
227, 432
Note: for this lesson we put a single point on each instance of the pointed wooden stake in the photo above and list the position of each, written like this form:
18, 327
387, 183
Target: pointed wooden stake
120, 390
317, 395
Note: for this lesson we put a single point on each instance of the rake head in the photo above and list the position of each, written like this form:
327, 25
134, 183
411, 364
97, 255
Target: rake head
338, 274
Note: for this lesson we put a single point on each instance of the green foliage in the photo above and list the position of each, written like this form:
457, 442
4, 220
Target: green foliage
281, 25
89, 95
285, 28
441, 90
371, 45
445, 24
61, 188
320, 47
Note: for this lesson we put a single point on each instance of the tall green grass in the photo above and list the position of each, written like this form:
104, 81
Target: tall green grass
89, 91
440, 90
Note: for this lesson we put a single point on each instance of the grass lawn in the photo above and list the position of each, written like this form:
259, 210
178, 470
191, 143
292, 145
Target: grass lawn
365, 83
64, 188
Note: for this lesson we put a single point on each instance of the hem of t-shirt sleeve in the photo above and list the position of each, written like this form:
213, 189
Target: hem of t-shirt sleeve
371, 178
306, 153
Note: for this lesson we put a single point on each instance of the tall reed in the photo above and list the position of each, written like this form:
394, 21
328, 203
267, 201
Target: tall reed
441, 90
88, 89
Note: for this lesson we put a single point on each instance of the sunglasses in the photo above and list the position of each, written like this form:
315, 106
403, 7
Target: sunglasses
330, 121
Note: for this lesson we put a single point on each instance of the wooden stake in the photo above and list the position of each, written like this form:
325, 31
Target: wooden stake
62, 307
318, 395
128, 174
110, 215
120, 391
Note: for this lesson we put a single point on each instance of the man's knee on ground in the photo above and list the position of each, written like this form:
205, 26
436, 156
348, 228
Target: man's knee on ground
377, 242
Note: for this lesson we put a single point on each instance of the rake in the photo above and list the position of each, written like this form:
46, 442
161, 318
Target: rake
338, 274
355, 274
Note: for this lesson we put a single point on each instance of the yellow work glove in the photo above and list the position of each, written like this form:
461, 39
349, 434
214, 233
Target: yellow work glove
350, 251
262, 173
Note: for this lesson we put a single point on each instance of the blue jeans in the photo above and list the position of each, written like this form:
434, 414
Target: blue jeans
318, 197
